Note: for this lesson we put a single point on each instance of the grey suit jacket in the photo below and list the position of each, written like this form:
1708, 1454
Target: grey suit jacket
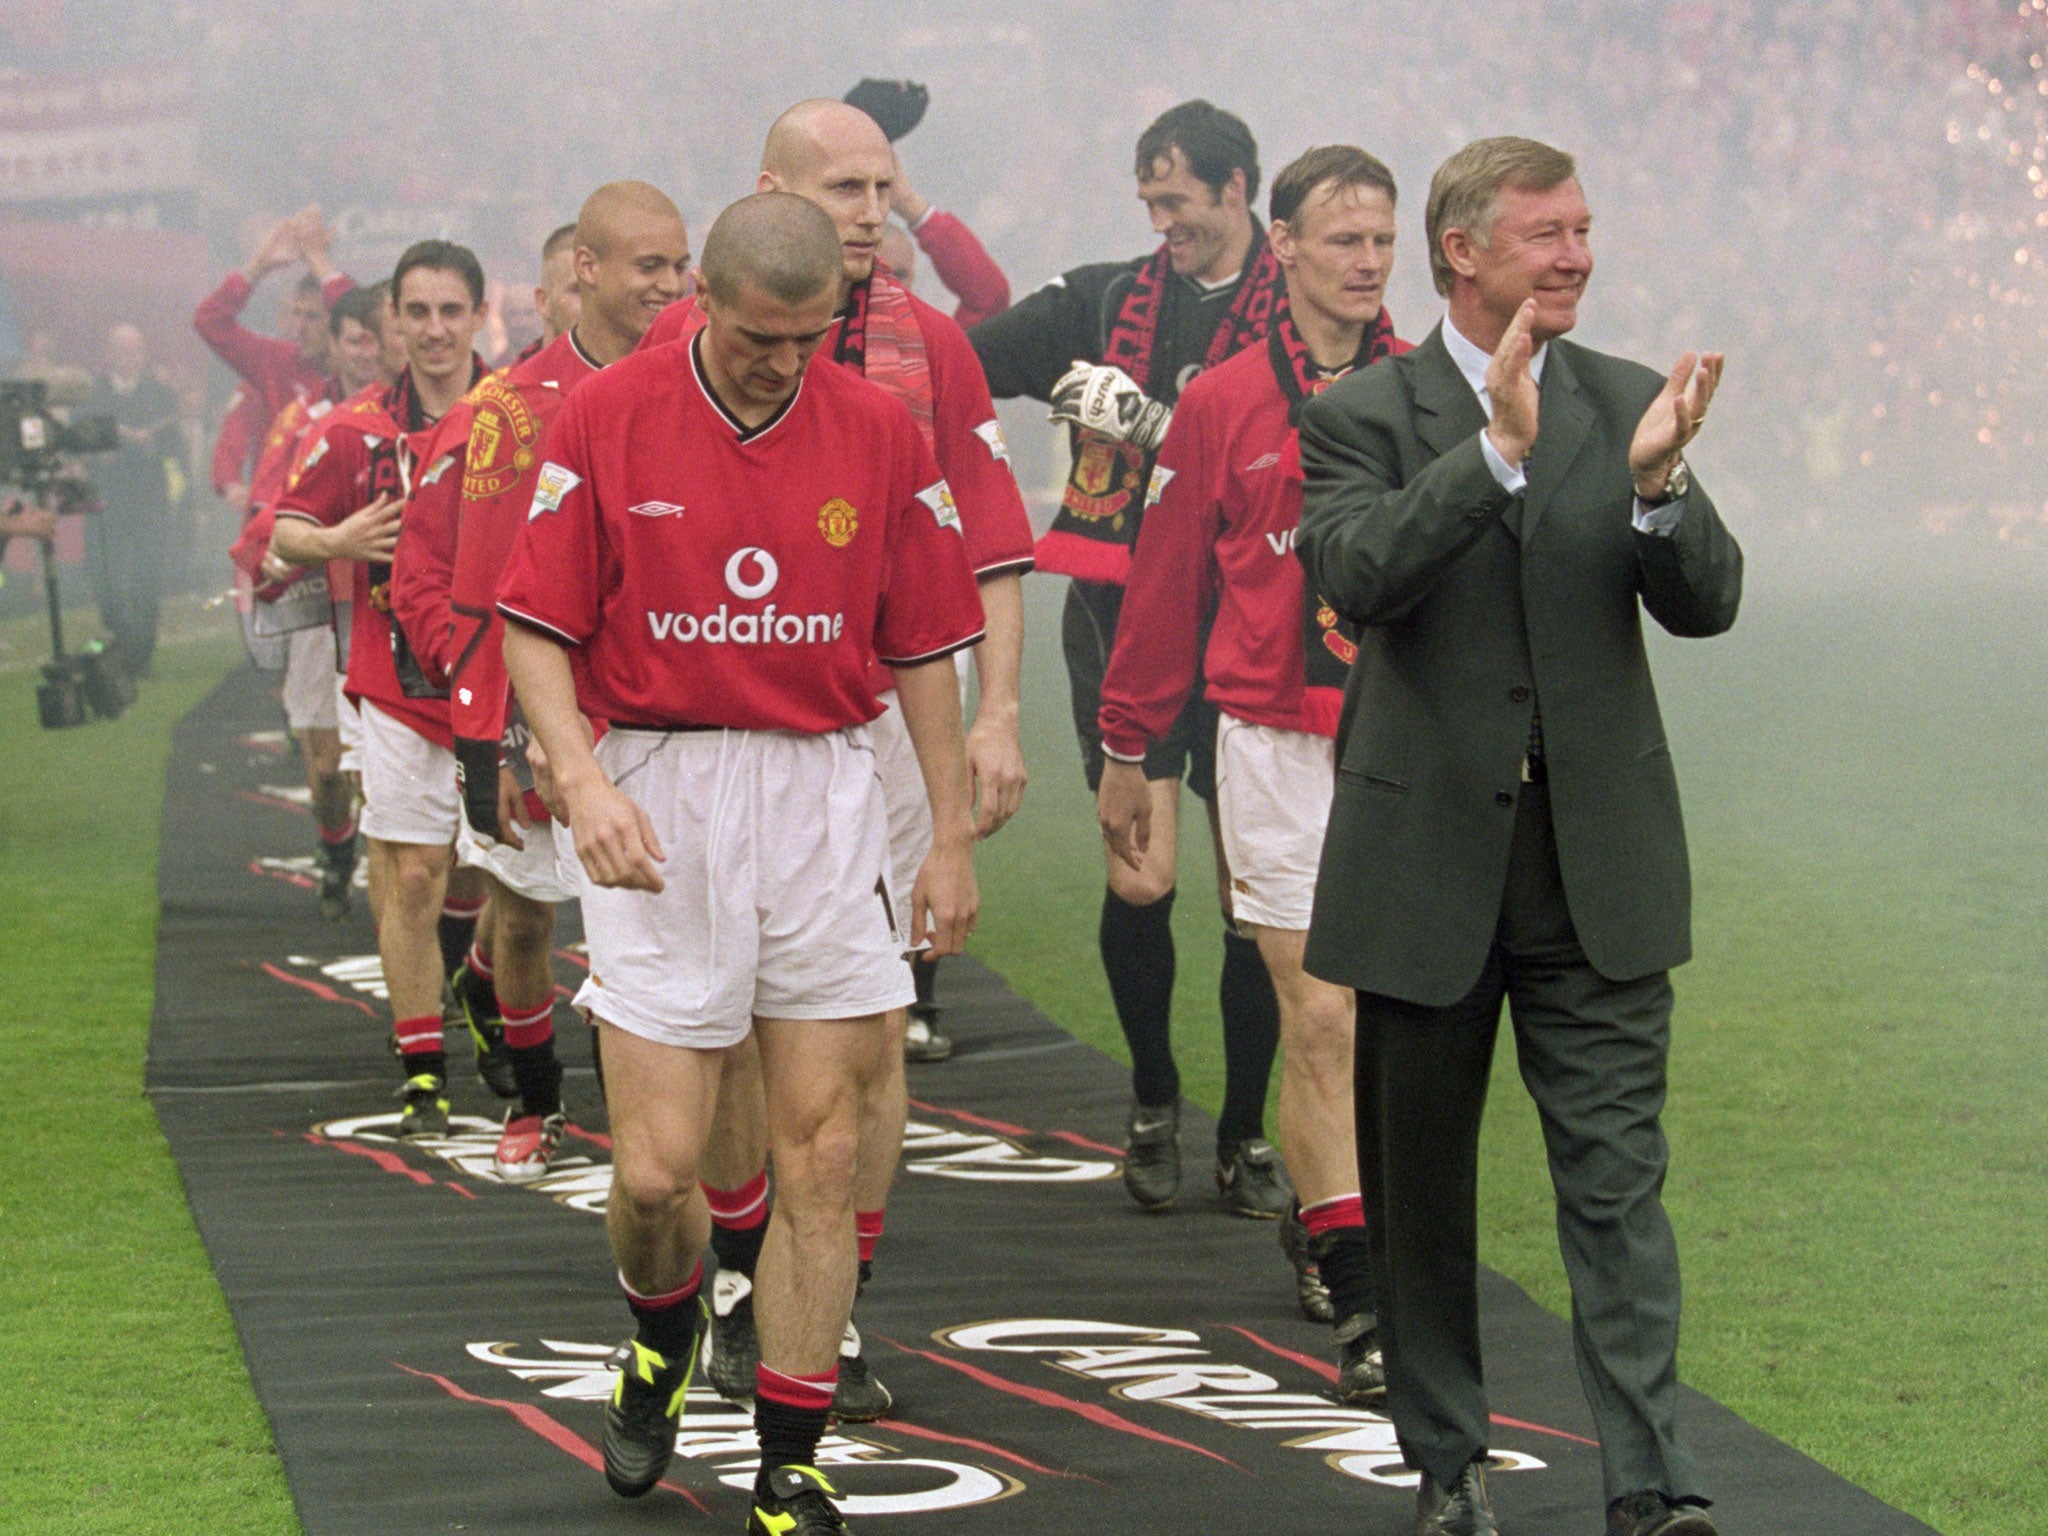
1476, 604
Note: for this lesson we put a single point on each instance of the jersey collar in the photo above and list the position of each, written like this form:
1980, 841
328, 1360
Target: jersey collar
741, 430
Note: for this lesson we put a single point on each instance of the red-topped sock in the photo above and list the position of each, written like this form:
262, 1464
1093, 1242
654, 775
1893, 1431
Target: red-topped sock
530, 1035
739, 1221
867, 1231
1336, 1229
419, 1046
668, 1322
789, 1418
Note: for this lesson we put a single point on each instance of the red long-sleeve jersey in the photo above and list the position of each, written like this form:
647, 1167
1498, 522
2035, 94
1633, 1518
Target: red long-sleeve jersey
1218, 532
964, 265
423, 565
359, 452
269, 367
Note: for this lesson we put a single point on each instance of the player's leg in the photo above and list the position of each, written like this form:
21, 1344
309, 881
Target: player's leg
1135, 934
311, 708
522, 933
410, 819
1136, 938
816, 1073
735, 1178
660, 1102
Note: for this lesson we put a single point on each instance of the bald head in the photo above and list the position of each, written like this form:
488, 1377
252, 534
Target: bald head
613, 209
817, 130
780, 243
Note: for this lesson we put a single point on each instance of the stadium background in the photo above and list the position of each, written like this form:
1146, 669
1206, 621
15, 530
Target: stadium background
1848, 197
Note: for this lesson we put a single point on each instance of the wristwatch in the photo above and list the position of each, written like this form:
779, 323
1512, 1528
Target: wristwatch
1676, 484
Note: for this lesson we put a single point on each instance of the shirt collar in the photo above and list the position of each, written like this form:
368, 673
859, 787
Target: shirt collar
1472, 359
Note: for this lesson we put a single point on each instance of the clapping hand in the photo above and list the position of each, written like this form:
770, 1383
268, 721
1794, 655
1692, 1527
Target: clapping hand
1673, 420
280, 248
1512, 388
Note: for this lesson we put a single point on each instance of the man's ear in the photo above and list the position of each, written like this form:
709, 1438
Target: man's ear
767, 181
1458, 246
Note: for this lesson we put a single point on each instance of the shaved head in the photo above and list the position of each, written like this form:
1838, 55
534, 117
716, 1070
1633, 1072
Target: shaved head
613, 206
818, 130
782, 244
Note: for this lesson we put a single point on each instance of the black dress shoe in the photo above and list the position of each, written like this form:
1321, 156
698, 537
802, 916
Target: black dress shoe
1649, 1513
1459, 1510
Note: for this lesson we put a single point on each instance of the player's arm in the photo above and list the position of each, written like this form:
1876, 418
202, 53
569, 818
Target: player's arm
1030, 346
1152, 665
945, 901
315, 520
995, 754
614, 837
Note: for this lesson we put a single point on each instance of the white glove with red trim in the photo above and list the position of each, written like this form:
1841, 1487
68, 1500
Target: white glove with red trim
1108, 402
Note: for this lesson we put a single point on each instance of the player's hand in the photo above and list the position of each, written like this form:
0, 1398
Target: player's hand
544, 773
280, 248
1512, 388
1124, 808
235, 493
614, 838
315, 240
275, 569
1673, 420
511, 809
996, 761
1108, 402
945, 902
370, 534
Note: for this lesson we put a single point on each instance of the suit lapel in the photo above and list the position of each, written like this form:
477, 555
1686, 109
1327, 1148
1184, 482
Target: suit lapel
1447, 412
1565, 419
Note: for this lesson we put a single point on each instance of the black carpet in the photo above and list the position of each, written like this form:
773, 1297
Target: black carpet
429, 1343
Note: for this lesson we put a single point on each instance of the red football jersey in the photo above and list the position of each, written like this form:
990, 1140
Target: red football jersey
423, 565
360, 452
1218, 533
966, 438
512, 412
720, 575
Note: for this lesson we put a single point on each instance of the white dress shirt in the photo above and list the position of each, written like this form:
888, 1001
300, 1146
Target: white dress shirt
1472, 361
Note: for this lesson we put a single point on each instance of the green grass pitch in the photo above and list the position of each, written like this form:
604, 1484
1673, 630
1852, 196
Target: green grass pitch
1857, 1116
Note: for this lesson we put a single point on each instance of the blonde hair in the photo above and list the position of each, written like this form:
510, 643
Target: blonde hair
1465, 192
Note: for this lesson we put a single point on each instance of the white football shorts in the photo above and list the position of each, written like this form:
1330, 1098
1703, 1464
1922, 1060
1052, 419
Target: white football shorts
409, 793
1273, 793
776, 899
530, 871
309, 680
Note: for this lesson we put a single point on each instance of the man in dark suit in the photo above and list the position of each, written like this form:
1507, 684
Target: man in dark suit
1496, 509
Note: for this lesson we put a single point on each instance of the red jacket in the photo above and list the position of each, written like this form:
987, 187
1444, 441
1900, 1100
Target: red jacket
238, 434
964, 265
423, 565
1218, 534
269, 366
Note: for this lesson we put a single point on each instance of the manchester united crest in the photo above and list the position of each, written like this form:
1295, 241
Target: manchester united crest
502, 438
1107, 476
838, 522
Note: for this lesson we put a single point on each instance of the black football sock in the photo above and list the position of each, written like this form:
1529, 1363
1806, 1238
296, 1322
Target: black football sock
457, 931
479, 989
789, 1419
924, 975
739, 1224
1343, 1256
597, 1058
530, 1035
1137, 954
668, 1324
1251, 1034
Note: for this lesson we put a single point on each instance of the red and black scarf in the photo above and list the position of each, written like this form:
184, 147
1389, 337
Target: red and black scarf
880, 339
1328, 649
1097, 524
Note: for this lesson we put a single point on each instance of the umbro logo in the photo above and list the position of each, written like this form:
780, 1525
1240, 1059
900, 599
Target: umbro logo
655, 508
1263, 461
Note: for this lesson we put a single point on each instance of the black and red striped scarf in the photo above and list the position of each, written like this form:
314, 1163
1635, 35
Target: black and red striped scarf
880, 339
1097, 525
1327, 649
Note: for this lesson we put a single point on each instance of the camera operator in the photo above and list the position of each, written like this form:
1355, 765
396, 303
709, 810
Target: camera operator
124, 547
25, 520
